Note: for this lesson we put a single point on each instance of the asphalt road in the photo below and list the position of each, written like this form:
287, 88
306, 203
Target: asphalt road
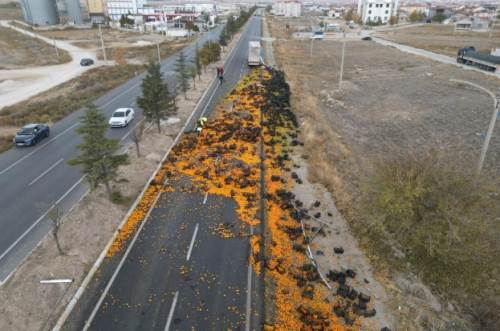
34, 178
180, 274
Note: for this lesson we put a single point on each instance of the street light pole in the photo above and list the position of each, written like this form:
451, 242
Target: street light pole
342, 65
491, 127
57, 50
102, 44
158, 49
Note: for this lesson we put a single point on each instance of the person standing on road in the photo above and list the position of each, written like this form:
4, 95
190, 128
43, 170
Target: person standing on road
220, 73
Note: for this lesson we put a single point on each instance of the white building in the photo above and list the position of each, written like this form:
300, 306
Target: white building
287, 8
117, 8
377, 10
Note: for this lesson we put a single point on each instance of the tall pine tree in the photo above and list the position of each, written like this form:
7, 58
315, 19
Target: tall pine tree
182, 73
97, 156
156, 100
223, 39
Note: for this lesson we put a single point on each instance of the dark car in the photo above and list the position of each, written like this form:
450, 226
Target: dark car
86, 62
30, 134
366, 38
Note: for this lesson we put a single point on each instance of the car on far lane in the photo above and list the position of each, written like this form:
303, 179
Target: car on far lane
86, 62
121, 117
31, 134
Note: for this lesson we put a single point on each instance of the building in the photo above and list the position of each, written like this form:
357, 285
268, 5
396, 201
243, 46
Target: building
377, 11
40, 12
287, 8
472, 25
51, 12
116, 8
97, 11
70, 11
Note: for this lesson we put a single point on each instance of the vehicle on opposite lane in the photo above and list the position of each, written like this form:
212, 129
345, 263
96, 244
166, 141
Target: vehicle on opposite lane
121, 117
31, 134
86, 62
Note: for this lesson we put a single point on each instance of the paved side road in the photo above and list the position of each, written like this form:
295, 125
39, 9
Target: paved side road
34, 178
35, 80
430, 55
180, 274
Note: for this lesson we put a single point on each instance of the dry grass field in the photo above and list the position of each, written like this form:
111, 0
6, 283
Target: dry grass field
443, 39
19, 51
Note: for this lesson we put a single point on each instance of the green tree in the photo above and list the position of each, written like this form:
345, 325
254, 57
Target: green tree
123, 21
192, 73
439, 17
156, 101
182, 72
98, 158
349, 15
230, 27
223, 39
415, 16
204, 57
197, 61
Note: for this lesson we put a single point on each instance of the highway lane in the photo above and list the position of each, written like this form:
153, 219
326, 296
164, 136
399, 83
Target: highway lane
210, 285
181, 274
22, 206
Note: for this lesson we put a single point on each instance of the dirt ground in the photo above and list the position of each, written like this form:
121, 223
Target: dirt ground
19, 51
121, 46
443, 39
26, 304
390, 101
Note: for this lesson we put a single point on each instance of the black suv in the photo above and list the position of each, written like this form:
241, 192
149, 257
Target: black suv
86, 62
30, 134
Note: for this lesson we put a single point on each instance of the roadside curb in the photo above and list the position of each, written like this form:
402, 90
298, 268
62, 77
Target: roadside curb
74, 300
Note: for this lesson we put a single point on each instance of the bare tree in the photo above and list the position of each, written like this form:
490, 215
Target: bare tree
136, 137
55, 215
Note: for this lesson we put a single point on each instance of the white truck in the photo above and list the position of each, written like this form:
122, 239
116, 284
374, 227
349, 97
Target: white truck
254, 53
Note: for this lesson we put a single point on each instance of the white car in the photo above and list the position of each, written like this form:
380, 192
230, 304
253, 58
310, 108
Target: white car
121, 117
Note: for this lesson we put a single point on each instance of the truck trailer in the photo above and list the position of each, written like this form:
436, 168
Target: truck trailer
469, 56
254, 53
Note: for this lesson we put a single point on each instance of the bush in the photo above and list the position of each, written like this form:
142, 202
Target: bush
444, 220
117, 197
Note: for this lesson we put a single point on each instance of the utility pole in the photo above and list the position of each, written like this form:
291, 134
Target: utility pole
312, 45
102, 44
342, 65
486, 143
57, 50
491, 127
158, 49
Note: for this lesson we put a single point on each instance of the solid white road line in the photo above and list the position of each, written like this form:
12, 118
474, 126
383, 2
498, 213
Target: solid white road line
192, 242
249, 292
119, 267
45, 172
171, 312
36, 150
39, 220
205, 198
